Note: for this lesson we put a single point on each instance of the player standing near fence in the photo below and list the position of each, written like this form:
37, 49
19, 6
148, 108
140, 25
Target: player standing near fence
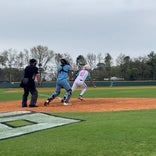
62, 82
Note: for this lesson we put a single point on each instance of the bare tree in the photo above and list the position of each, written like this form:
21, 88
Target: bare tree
58, 57
91, 59
3, 60
10, 62
99, 58
21, 59
66, 56
120, 59
42, 54
9, 57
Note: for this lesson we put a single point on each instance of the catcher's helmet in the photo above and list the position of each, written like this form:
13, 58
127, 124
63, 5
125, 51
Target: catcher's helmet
64, 62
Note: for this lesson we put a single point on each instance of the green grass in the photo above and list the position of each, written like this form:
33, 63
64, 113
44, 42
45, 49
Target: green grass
114, 92
124, 133
127, 133
106, 92
18, 123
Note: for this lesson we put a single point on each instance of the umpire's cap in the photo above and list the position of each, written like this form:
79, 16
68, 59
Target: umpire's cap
33, 62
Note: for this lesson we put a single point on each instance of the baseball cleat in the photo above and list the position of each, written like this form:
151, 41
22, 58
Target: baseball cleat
67, 104
62, 100
80, 98
46, 103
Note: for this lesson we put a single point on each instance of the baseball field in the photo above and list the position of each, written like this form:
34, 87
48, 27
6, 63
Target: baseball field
110, 121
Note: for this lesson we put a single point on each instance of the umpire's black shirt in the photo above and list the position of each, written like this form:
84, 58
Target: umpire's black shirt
30, 72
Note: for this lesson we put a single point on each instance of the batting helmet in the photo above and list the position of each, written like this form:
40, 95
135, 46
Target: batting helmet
86, 67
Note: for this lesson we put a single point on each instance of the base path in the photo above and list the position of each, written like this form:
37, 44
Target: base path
87, 105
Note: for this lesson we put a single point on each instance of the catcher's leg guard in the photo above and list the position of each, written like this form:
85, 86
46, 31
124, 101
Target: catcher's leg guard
69, 93
63, 99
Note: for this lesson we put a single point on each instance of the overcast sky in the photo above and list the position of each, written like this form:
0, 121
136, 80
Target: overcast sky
80, 26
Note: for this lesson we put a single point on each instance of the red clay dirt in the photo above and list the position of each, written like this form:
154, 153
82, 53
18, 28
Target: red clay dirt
87, 105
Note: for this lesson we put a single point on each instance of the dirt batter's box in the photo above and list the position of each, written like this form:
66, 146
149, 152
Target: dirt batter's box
39, 121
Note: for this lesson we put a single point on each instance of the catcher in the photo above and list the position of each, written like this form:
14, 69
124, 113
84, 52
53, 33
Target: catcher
62, 82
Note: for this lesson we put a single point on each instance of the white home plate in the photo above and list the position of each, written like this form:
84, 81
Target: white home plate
39, 121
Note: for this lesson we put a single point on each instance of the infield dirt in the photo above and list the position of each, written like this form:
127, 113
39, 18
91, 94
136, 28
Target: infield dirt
87, 105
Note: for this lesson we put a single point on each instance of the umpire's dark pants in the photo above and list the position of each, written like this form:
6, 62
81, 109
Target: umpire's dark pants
34, 96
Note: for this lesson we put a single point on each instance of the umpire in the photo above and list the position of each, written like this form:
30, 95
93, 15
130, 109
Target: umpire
28, 83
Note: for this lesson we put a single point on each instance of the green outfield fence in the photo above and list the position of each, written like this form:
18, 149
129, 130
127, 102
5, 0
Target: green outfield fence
6, 84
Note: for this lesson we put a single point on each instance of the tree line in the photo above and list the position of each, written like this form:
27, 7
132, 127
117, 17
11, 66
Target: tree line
12, 64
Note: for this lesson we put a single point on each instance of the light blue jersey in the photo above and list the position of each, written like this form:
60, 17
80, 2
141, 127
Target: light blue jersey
62, 82
63, 72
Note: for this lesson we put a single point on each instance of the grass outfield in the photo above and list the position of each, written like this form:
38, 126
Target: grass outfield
106, 92
124, 133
